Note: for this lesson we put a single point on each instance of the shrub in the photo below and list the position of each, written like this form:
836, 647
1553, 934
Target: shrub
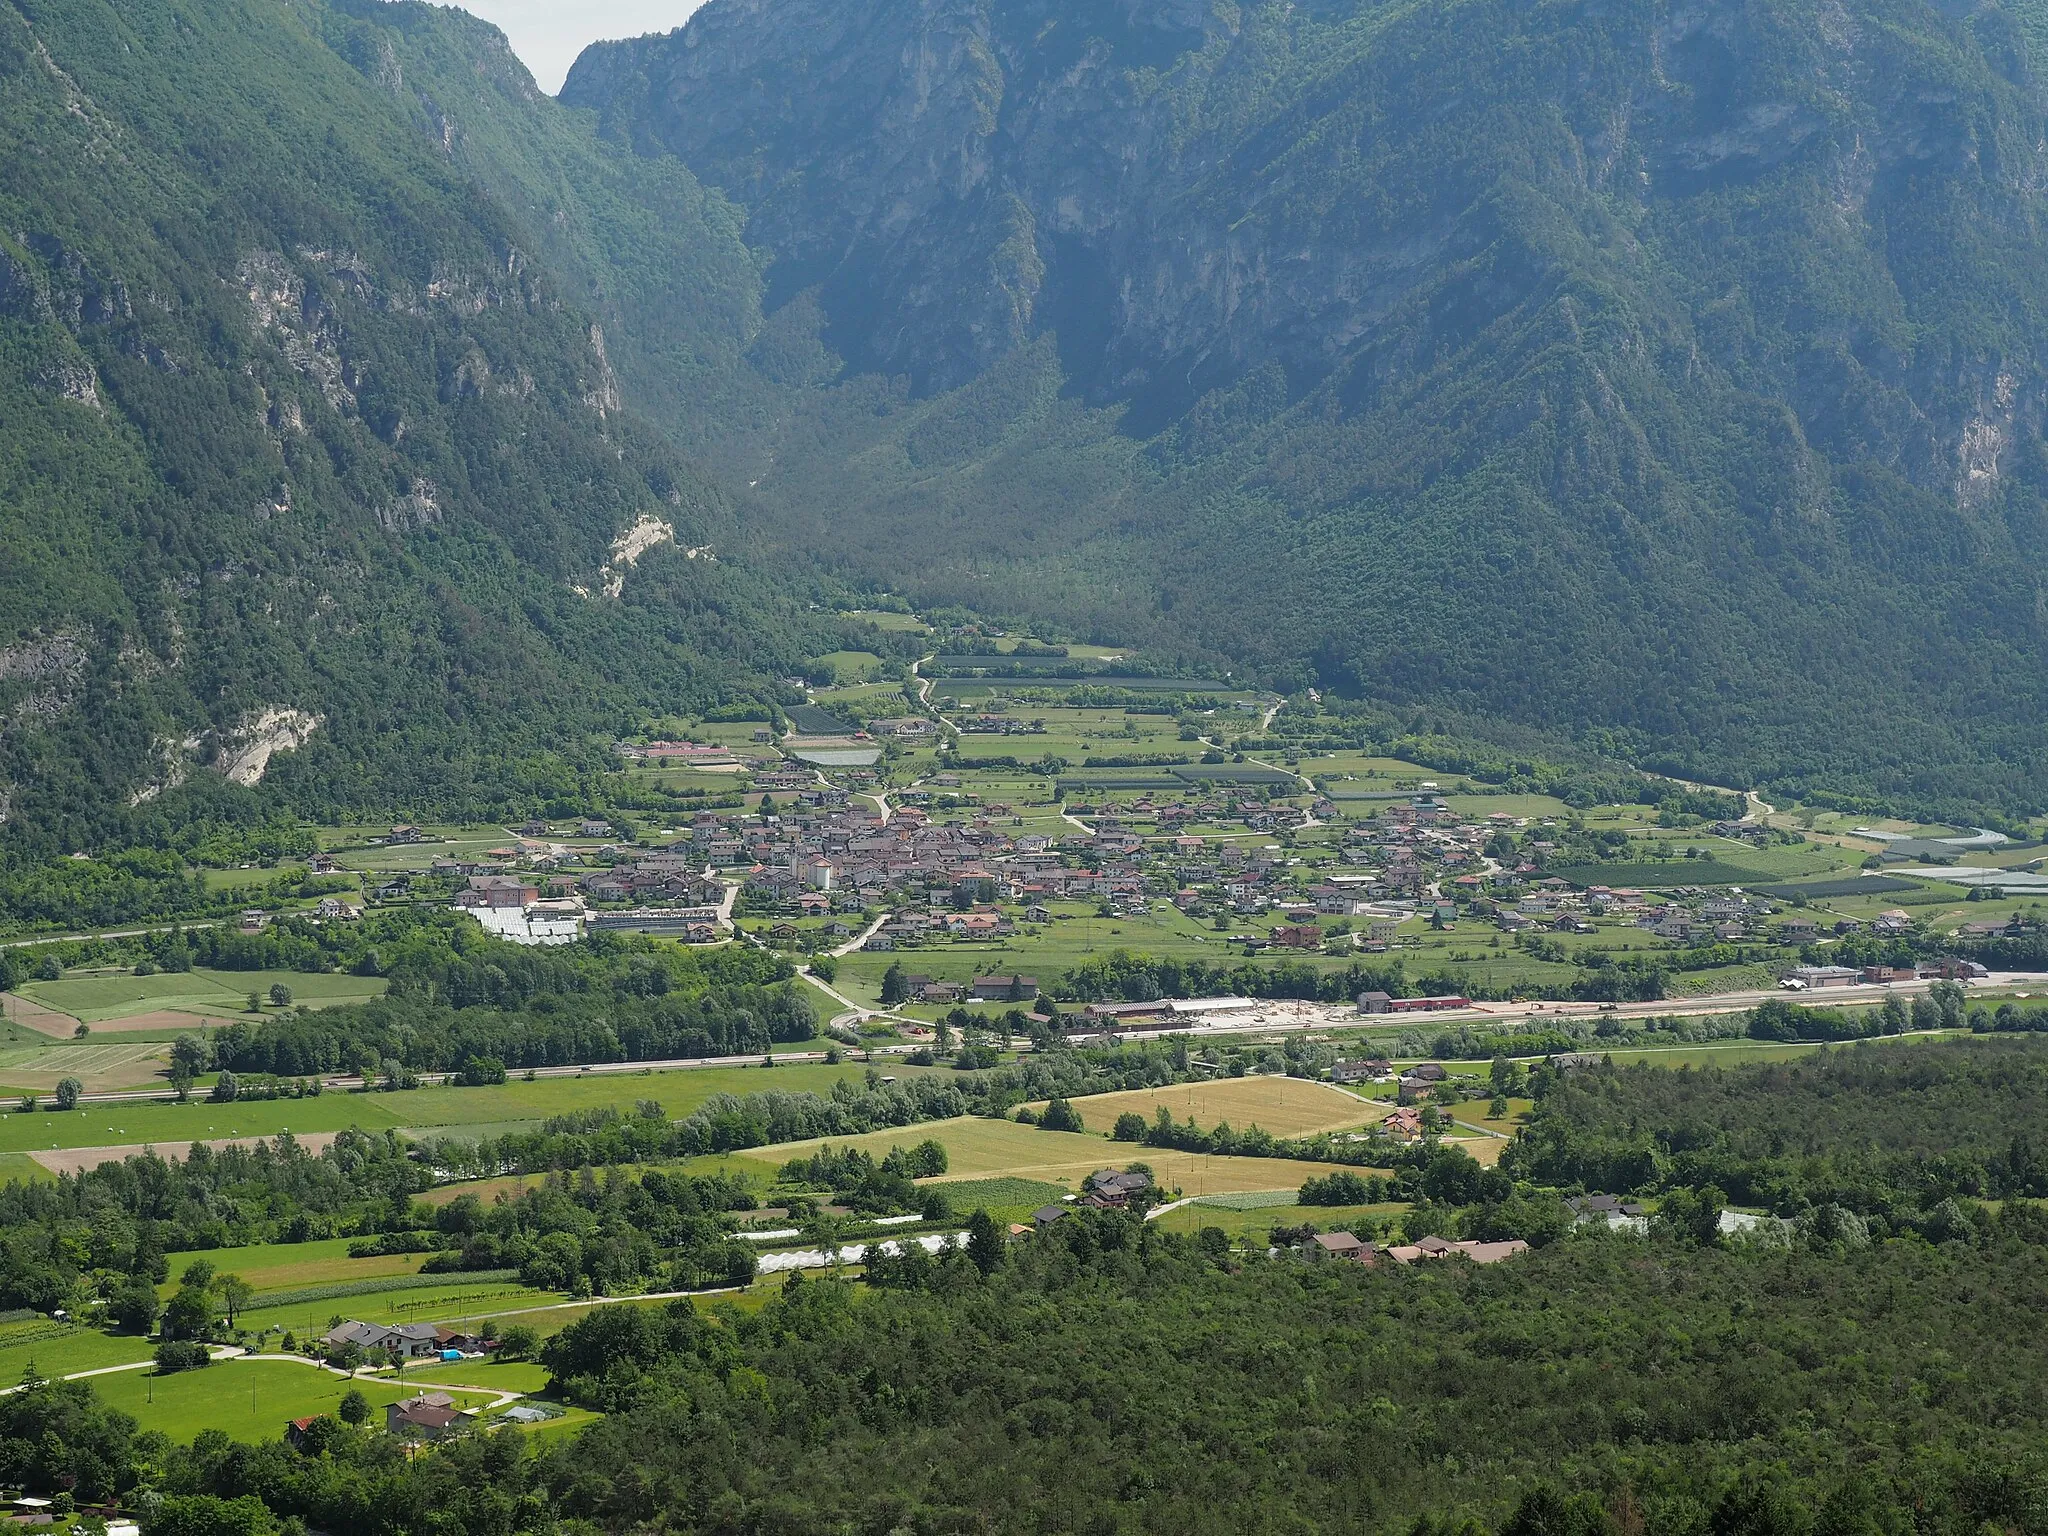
181, 1355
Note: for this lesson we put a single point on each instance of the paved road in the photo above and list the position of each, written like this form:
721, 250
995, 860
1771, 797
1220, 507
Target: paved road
1274, 1016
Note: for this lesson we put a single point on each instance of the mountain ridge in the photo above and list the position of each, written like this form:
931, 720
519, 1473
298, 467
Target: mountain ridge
1433, 341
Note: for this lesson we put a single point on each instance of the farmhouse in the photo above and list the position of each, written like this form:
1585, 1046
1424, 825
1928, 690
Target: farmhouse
410, 1341
430, 1416
997, 989
1340, 1245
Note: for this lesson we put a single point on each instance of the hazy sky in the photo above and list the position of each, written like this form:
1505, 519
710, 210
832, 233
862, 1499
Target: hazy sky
548, 34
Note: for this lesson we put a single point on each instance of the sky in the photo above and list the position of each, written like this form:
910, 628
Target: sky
548, 34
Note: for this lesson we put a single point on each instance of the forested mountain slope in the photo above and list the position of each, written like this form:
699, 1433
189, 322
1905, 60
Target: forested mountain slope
314, 456
1664, 367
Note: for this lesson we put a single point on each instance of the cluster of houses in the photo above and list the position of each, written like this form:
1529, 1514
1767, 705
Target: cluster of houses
982, 989
1109, 1189
1358, 1250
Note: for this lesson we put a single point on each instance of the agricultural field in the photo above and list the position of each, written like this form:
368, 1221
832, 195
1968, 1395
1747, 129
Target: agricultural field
271, 1267
201, 994
445, 1111
1282, 1105
977, 1148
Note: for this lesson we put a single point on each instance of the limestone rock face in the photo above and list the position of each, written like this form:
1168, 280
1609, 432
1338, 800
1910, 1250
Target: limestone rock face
1189, 192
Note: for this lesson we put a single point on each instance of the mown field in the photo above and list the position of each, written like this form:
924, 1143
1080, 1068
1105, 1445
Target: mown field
100, 999
1282, 1105
977, 1148
448, 1111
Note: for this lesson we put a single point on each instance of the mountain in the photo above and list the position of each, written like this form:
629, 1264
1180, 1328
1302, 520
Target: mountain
1663, 374
317, 471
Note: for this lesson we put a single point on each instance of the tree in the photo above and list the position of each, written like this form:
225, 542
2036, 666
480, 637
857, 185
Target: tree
188, 1314
985, 1243
1060, 1116
518, 1342
198, 1275
280, 994
188, 1060
225, 1087
894, 990
68, 1090
353, 1408
1691, 1216
235, 1295
1130, 1126
135, 1306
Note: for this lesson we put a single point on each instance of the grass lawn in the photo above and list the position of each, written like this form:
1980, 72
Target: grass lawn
1284, 1106
250, 1399
487, 1375
57, 1350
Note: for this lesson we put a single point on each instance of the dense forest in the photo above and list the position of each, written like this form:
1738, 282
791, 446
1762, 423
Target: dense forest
1106, 1377
1867, 1366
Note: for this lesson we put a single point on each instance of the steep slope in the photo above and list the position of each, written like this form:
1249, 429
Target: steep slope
1666, 373
315, 459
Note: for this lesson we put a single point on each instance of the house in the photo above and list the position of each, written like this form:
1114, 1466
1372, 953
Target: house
997, 989
430, 1416
410, 1341
1340, 1245
1404, 1124
295, 1432
1356, 1071
1437, 1248
1113, 1189
1375, 1002
1427, 1072
1046, 1215
1608, 1208
1299, 936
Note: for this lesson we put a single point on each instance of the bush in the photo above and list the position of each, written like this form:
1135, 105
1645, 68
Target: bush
181, 1355
1341, 1189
